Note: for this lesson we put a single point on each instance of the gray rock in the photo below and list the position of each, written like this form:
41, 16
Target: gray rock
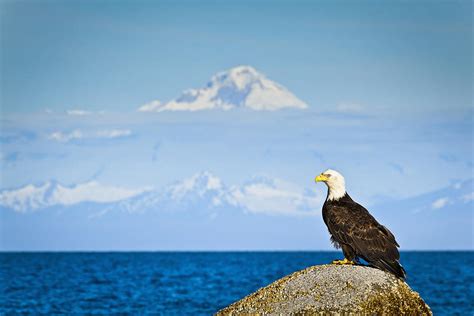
333, 290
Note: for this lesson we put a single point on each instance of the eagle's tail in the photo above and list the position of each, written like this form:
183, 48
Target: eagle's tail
391, 266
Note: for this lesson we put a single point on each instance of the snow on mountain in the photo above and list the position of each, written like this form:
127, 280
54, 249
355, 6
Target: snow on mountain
275, 196
29, 197
205, 193
239, 87
199, 184
202, 192
33, 197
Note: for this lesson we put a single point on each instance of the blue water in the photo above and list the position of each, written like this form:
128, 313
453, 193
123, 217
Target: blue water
195, 282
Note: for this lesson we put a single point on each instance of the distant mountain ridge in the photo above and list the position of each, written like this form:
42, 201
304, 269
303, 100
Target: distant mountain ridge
51, 193
202, 191
203, 203
239, 87
205, 192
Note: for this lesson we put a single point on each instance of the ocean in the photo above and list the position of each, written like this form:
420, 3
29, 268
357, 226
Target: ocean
195, 283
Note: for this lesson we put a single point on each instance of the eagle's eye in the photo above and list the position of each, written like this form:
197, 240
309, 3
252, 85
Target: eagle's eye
327, 175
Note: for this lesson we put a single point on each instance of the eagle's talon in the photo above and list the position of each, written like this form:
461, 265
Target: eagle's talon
340, 262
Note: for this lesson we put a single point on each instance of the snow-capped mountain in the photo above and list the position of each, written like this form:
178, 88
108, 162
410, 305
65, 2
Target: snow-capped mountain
33, 197
239, 87
205, 191
202, 192
204, 202
29, 197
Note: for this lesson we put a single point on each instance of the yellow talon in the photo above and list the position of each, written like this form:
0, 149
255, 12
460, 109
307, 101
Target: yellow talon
345, 261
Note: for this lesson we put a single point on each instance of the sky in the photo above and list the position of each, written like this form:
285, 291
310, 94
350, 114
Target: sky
387, 94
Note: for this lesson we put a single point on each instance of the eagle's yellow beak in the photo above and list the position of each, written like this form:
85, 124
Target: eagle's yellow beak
321, 178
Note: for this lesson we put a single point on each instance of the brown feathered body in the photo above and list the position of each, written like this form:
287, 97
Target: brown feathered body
358, 233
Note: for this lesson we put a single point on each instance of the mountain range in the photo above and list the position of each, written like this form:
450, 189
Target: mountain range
206, 191
197, 211
201, 191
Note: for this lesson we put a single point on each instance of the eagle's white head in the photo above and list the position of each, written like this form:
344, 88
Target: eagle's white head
335, 182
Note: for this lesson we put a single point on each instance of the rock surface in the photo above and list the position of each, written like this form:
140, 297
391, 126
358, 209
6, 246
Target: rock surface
333, 290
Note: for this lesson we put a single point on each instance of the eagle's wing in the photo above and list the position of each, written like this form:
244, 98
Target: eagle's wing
352, 224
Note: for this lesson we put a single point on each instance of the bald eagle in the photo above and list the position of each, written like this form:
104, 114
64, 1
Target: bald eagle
353, 229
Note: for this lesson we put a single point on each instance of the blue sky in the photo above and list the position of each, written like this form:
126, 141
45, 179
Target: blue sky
99, 54
389, 92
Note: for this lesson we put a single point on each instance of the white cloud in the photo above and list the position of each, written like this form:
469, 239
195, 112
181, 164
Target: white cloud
440, 203
32, 197
80, 112
77, 112
468, 197
349, 108
241, 86
113, 133
66, 137
77, 134
153, 106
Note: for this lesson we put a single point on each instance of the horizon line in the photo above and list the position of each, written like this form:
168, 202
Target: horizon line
213, 251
